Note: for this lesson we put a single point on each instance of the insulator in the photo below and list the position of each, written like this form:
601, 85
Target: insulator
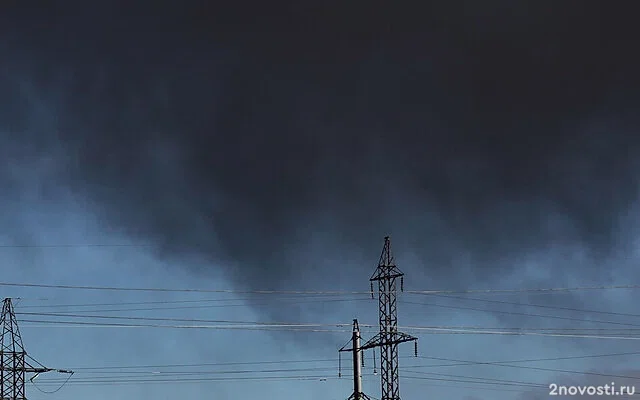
402, 283
415, 348
375, 371
372, 290
339, 365
362, 358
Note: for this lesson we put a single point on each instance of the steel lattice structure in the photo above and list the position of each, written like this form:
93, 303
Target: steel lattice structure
389, 337
14, 364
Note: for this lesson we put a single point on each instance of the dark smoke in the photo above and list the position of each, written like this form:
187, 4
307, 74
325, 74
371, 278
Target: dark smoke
285, 151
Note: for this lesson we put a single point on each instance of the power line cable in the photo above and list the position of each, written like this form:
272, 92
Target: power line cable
322, 324
335, 360
148, 289
510, 365
184, 378
518, 313
292, 328
209, 321
523, 333
137, 381
307, 328
165, 376
483, 380
538, 306
238, 303
318, 292
115, 382
525, 290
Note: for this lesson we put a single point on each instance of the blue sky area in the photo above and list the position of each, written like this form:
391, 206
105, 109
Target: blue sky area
105, 357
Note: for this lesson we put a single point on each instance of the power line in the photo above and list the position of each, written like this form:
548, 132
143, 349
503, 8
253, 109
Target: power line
180, 376
335, 360
519, 313
529, 360
539, 306
509, 365
158, 372
148, 289
248, 327
308, 329
420, 380
197, 377
287, 324
159, 366
318, 301
336, 324
531, 290
131, 303
484, 380
115, 382
540, 334
317, 292
165, 374
137, 377
279, 302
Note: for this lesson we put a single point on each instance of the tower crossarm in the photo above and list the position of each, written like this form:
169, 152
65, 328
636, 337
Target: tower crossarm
382, 339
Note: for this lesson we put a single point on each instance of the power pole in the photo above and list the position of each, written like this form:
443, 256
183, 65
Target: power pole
13, 358
357, 363
389, 337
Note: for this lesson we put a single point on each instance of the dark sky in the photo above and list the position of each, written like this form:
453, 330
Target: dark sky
275, 138
277, 144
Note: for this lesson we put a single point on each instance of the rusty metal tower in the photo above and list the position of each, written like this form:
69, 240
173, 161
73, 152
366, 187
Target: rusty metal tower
389, 337
14, 361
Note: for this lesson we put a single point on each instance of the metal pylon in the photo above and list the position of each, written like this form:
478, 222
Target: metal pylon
14, 361
389, 337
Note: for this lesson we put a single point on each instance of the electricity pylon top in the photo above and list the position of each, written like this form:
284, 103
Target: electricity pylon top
14, 361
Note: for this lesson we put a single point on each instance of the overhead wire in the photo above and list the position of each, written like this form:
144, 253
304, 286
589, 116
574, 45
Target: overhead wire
116, 382
191, 377
161, 374
318, 329
243, 302
511, 365
310, 325
513, 303
291, 328
209, 321
518, 313
249, 325
138, 377
318, 292
483, 380
313, 327
334, 360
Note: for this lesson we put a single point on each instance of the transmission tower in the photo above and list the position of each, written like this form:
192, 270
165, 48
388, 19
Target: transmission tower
14, 361
389, 337
358, 360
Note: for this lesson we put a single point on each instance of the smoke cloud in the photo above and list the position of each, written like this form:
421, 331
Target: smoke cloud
488, 134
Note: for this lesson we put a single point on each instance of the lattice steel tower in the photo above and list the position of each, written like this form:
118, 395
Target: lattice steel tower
389, 337
13, 358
